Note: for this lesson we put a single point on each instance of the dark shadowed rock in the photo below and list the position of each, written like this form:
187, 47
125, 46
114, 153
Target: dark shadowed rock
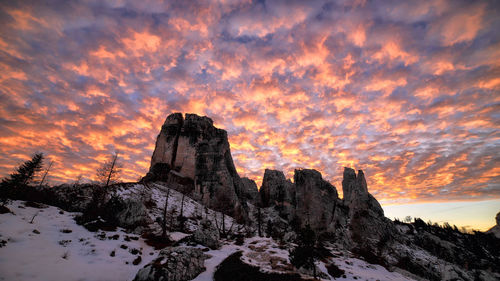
316, 199
356, 194
368, 225
310, 199
190, 152
174, 264
249, 191
276, 190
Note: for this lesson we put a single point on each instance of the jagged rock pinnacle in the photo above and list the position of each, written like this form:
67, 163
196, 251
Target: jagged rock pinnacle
192, 152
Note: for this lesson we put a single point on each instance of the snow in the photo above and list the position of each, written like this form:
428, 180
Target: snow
356, 269
56, 255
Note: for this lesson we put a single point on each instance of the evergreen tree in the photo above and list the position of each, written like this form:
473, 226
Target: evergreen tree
25, 172
305, 254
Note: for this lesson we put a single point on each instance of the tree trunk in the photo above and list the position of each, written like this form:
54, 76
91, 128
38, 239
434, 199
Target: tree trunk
46, 172
182, 205
223, 224
259, 222
111, 170
164, 222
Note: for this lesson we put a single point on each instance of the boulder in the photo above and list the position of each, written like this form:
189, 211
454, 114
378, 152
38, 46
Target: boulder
174, 264
207, 235
127, 213
316, 200
192, 151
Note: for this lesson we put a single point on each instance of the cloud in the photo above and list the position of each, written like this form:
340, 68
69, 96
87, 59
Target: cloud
407, 91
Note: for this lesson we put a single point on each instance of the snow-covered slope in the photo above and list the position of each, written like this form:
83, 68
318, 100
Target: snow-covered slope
54, 247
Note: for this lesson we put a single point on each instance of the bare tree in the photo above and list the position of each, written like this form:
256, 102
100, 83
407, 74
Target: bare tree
46, 173
109, 171
78, 180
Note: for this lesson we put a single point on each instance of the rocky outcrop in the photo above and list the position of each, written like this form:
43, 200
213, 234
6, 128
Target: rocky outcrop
249, 191
316, 199
356, 194
309, 200
496, 229
192, 149
367, 224
174, 264
207, 235
277, 191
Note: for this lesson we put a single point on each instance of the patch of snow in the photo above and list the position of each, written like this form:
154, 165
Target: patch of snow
176, 236
356, 269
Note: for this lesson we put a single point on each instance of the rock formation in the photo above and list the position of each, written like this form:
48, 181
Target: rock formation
276, 190
249, 191
367, 224
309, 200
316, 199
356, 194
193, 155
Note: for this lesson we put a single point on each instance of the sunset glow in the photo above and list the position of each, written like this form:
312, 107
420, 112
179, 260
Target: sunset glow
409, 93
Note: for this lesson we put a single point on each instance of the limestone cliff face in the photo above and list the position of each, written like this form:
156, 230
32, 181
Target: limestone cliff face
192, 151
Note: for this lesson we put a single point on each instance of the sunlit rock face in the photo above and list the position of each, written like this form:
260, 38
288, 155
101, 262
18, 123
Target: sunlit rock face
191, 148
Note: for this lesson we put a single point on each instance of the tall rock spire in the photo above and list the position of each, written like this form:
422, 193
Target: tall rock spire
192, 150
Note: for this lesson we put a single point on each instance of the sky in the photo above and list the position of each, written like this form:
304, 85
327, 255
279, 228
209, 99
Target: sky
407, 91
